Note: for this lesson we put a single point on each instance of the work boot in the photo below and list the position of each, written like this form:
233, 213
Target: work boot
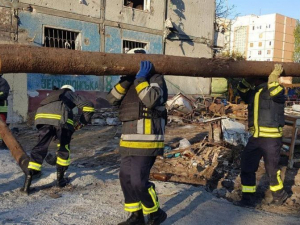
248, 200
61, 180
32, 174
157, 217
279, 197
136, 218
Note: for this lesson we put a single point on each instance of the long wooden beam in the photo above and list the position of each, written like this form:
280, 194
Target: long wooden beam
30, 59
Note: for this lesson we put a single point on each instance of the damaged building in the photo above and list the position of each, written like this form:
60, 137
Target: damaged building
114, 26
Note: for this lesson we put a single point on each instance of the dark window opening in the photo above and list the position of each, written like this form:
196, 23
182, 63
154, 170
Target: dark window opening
127, 45
59, 38
137, 4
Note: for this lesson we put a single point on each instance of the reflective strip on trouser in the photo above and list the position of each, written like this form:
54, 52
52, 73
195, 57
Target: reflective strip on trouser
155, 202
279, 186
34, 166
137, 144
256, 108
272, 132
248, 189
132, 207
88, 109
64, 162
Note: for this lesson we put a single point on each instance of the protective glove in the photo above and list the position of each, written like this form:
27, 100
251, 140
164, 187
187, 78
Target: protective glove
145, 69
126, 81
78, 126
273, 77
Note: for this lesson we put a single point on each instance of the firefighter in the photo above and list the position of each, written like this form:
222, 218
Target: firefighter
265, 99
54, 119
4, 91
141, 100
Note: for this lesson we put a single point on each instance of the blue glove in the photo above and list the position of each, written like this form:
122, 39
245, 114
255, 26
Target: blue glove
145, 69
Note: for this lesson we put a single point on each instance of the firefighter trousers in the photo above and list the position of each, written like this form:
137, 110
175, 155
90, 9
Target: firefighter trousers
139, 193
46, 134
256, 148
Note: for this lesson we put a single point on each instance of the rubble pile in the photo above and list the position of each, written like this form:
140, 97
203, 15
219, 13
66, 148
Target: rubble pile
106, 116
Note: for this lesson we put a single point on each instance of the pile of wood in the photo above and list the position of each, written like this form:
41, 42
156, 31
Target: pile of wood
197, 164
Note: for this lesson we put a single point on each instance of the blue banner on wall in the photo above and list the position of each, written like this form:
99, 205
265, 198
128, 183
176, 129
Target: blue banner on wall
80, 83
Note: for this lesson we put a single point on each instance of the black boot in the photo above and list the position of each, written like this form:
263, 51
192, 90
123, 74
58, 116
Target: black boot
157, 217
32, 174
248, 200
279, 197
136, 218
61, 180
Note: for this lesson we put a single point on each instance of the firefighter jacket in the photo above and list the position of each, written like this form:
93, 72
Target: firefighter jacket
56, 109
4, 91
143, 114
265, 108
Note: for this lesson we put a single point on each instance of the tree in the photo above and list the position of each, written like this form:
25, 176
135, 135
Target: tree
223, 13
296, 55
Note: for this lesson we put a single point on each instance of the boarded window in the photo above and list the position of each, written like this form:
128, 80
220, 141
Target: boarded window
268, 52
138, 4
127, 45
261, 35
260, 44
59, 38
251, 44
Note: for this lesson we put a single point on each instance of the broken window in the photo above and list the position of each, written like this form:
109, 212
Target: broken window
127, 45
138, 4
59, 38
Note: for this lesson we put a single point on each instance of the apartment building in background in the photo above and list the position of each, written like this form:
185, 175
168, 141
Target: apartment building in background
264, 38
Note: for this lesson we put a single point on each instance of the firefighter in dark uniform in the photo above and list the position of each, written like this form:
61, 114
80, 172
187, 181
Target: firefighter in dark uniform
4, 91
141, 102
54, 119
266, 119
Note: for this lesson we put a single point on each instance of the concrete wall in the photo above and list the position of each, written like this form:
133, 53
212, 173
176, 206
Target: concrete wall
194, 21
86, 8
17, 100
153, 18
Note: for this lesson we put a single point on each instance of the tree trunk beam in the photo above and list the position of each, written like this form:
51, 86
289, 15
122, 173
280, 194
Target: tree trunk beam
14, 147
30, 59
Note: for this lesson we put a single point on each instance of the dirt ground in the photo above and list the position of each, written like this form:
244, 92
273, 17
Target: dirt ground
94, 195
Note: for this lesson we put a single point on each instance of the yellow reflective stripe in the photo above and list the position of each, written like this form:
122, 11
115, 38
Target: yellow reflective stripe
270, 135
243, 90
276, 91
256, 106
273, 84
120, 89
148, 126
34, 166
3, 108
63, 162
248, 189
70, 121
280, 183
88, 109
270, 129
136, 144
132, 207
155, 202
141, 86
47, 116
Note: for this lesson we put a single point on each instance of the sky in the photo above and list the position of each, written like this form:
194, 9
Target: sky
290, 8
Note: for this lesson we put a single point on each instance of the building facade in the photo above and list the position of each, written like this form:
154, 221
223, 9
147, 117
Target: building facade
264, 38
113, 26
